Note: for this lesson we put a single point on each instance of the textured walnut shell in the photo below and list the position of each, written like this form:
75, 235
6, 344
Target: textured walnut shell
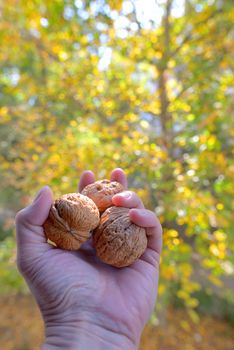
70, 220
101, 192
117, 240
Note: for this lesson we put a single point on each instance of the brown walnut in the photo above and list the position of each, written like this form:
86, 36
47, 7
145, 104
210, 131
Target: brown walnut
70, 220
117, 240
101, 192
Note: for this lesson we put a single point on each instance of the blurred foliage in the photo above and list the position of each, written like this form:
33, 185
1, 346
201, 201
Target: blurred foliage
9, 276
90, 85
220, 307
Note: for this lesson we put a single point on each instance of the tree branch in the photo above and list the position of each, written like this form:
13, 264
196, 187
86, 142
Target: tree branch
189, 35
135, 15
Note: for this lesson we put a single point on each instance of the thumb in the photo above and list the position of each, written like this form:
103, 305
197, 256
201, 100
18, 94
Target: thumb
29, 220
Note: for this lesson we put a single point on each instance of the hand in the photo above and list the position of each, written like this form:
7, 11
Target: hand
85, 303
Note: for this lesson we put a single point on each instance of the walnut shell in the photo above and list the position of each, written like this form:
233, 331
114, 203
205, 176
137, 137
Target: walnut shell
101, 192
70, 220
117, 240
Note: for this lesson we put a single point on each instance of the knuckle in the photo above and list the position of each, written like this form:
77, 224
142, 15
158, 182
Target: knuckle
19, 216
158, 224
132, 195
129, 193
160, 229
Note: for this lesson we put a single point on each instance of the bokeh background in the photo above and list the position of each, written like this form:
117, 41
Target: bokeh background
144, 85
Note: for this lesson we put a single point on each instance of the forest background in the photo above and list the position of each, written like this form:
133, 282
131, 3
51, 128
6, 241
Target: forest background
142, 85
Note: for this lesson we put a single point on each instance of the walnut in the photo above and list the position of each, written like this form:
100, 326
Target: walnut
101, 192
117, 240
70, 220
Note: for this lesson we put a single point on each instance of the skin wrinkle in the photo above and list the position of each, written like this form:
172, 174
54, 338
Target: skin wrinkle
91, 320
101, 337
117, 333
155, 261
69, 316
137, 314
128, 327
98, 310
19, 219
60, 302
76, 287
39, 273
115, 325
24, 261
31, 229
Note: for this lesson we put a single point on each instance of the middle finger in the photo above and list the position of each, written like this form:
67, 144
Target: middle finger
127, 199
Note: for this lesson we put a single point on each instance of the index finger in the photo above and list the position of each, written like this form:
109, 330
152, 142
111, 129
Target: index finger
147, 219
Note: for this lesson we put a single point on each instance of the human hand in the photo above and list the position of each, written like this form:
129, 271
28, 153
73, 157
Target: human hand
85, 303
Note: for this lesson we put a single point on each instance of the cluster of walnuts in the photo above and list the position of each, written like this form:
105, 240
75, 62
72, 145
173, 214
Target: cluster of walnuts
76, 217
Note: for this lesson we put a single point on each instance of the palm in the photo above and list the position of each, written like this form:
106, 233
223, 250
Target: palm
80, 280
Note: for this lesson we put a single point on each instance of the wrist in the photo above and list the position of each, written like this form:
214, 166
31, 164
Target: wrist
81, 337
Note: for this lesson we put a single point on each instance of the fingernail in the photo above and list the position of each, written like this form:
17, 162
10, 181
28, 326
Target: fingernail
125, 194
